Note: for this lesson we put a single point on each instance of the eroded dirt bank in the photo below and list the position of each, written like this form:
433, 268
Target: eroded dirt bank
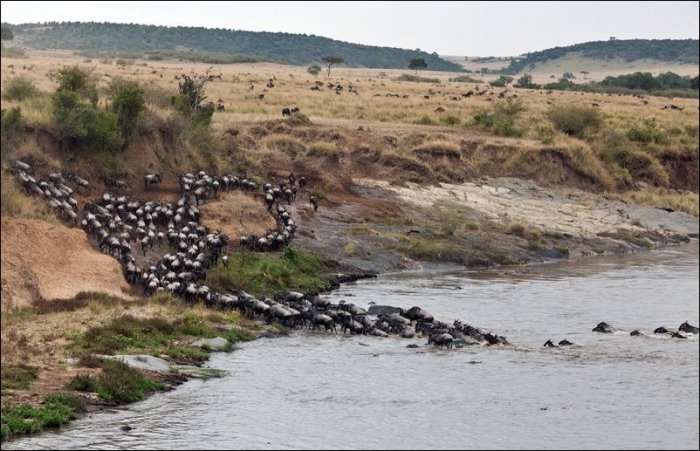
512, 221
374, 227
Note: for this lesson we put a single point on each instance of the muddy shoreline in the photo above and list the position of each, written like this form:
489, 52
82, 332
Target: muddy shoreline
513, 222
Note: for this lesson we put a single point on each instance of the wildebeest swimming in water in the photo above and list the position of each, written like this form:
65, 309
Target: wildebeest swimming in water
603, 327
687, 328
550, 344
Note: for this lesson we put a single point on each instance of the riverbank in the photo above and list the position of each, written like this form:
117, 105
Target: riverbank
385, 227
370, 228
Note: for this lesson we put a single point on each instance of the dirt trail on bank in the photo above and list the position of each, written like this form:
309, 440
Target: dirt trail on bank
361, 229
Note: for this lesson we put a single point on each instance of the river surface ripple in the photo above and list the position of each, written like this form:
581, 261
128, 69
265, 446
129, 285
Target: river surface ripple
324, 391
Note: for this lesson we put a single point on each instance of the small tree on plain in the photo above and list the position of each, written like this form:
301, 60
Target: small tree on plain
314, 69
127, 104
417, 63
331, 60
80, 80
525, 82
190, 100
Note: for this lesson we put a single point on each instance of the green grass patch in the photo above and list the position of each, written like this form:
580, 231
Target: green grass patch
263, 274
56, 410
190, 353
118, 382
128, 334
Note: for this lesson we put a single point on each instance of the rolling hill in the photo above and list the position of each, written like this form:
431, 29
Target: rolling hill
296, 49
216, 45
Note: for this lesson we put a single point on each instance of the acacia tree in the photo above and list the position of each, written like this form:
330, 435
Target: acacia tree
417, 63
331, 60
190, 101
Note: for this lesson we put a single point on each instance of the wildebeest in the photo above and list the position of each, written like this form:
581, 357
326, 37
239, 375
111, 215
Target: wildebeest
286, 112
603, 327
152, 179
687, 328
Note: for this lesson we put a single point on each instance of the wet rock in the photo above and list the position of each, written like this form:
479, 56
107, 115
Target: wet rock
213, 344
144, 362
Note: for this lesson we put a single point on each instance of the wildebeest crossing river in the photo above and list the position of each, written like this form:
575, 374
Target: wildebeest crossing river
312, 390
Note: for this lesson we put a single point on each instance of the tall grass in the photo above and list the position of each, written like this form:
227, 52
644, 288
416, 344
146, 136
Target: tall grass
658, 197
14, 202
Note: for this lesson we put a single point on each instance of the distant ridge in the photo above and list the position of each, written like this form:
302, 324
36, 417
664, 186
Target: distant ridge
682, 51
296, 49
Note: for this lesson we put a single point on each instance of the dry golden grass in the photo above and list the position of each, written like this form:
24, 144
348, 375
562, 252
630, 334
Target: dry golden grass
378, 97
14, 202
687, 201
423, 124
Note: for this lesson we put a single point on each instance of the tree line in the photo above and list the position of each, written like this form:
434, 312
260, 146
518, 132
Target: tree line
297, 49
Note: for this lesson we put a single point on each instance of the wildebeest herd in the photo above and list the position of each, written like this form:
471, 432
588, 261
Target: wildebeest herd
114, 223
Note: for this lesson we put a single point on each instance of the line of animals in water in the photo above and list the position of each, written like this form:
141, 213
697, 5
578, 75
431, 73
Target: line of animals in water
683, 331
114, 222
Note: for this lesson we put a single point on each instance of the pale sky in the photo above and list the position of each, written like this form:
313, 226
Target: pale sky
448, 28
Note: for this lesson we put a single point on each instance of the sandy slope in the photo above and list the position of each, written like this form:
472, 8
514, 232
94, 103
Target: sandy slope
43, 260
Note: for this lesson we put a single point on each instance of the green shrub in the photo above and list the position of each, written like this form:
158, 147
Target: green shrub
500, 119
314, 69
12, 129
57, 409
81, 125
575, 120
79, 80
123, 384
128, 102
189, 353
82, 383
647, 132
19, 88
